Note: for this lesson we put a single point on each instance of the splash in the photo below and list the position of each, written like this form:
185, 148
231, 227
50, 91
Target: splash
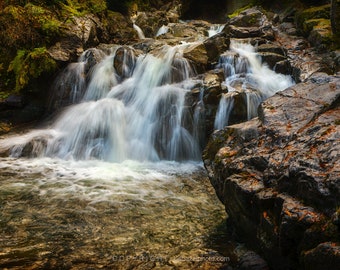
139, 31
248, 77
162, 30
215, 29
131, 109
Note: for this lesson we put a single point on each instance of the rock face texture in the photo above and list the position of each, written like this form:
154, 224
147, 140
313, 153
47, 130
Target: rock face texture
278, 175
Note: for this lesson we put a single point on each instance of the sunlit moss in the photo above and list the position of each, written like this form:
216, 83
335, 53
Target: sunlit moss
43, 19
238, 11
80, 8
30, 64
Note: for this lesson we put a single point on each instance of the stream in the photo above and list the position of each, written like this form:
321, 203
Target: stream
58, 214
116, 180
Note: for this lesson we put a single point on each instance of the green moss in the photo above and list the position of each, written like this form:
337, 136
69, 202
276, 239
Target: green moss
43, 20
320, 12
317, 12
72, 8
238, 11
30, 64
16, 12
4, 95
81, 8
315, 24
96, 6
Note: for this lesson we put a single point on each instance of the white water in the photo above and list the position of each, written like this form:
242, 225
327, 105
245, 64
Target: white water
162, 30
215, 29
245, 73
140, 118
97, 181
223, 111
139, 31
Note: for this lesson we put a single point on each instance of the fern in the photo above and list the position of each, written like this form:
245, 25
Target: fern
30, 64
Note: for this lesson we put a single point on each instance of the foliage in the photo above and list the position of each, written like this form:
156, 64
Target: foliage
30, 64
28, 27
80, 7
44, 20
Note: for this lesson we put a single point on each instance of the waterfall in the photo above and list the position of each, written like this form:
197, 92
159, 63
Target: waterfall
103, 79
215, 29
259, 75
199, 119
162, 30
246, 75
223, 111
139, 31
134, 111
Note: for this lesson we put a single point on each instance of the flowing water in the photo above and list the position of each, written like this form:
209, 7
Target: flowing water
116, 181
246, 74
139, 31
58, 214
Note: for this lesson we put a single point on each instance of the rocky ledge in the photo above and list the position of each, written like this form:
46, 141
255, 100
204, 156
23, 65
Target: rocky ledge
278, 175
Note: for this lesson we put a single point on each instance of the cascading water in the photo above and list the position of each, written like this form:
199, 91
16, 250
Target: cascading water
223, 111
106, 171
162, 30
139, 31
101, 176
140, 118
246, 75
215, 29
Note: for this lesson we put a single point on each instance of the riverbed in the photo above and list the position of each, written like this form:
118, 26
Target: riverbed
58, 214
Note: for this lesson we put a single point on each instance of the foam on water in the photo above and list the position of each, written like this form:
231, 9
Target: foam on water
245, 73
95, 180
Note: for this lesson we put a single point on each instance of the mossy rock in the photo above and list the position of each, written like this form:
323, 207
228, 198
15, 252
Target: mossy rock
320, 34
309, 25
317, 12
320, 12
248, 18
30, 64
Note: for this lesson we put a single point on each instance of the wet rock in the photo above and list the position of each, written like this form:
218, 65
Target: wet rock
271, 58
215, 46
283, 67
249, 24
88, 31
66, 50
198, 55
271, 48
212, 88
315, 24
252, 261
5, 128
321, 35
150, 22
16, 101
324, 256
79, 33
288, 27
124, 62
248, 18
183, 31
278, 174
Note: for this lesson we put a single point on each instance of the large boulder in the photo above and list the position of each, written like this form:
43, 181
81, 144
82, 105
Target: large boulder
278, 175
315, 23
250, 23
88, 31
